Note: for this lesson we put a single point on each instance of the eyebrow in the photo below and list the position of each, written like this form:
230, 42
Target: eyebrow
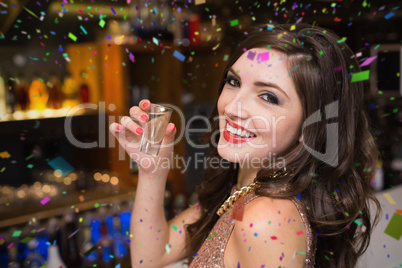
262, 84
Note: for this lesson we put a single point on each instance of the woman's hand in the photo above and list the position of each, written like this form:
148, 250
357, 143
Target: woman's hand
129, 134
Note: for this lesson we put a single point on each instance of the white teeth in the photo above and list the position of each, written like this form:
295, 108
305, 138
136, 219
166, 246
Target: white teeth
239, 132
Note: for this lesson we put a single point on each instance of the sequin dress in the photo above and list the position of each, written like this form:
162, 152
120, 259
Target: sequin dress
211, 253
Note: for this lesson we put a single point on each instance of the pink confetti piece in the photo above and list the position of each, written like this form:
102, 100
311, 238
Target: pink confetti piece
45, 200
131, 56
368, 61
300, 233
263, 56
338, 68
274, 238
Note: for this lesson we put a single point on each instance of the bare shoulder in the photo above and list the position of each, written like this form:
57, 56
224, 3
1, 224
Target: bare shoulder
271, 233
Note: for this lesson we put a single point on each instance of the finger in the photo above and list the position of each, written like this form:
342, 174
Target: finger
145, 105
115, 127
170, 133
132, 126
137, 114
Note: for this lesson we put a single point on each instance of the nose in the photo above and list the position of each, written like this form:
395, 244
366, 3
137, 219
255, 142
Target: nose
238, 106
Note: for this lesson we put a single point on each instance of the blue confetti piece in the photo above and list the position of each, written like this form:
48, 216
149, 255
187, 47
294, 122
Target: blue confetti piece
298, 196
114, 12
61, 165
389, 15
386, 216
179, 56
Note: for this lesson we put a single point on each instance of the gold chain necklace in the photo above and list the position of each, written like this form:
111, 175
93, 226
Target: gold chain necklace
246, 190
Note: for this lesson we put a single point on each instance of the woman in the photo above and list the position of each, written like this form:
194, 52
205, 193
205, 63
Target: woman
311, 208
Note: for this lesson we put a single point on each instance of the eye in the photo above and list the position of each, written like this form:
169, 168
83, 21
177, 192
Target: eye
232, 81
271, 98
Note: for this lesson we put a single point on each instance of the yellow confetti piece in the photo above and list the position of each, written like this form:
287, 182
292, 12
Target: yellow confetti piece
4, 154
292, 27
389, 199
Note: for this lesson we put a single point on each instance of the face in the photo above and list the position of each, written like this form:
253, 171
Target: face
260, 99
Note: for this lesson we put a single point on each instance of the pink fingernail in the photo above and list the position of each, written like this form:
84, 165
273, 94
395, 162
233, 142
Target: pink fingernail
144, 117
139, 131
118, 127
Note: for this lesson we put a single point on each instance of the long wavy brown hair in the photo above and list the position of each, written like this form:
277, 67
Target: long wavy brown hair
321, 65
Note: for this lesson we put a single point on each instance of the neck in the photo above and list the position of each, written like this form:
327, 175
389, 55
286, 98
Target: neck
246, 176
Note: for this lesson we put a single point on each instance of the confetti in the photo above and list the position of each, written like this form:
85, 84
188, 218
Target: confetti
16, 233
234, 22
167, 248
263, 56
300, 232
389, 199
45, 200
360, 76
102, 23
368, 61
4, 154
389, 15
61, 165
274, 238
179, 56
251, 55
86, 254
72, 37
393, 228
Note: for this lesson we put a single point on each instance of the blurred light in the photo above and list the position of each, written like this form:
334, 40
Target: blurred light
21, 194
114, 180
56, 174
5, 190
18, 115
73, 176
67, 181
97, 176
33, 114
105, 177
46, 188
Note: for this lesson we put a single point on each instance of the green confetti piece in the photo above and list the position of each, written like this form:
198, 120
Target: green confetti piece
360, 76
83, 29
174, 227
16, 233
214, 234
30, 166
86, 254
102, 23
96, 205
393, 228
225, 58
26, 239
347, 214
72, 37
167, 248
358, 222
234, 22
395, 110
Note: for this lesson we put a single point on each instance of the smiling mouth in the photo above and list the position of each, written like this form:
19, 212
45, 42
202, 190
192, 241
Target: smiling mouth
232, 137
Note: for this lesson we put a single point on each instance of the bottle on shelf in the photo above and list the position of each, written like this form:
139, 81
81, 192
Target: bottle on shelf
11, 94
84, 88
55, 95
34, 259
70, 248
70, 91
22, 93
3, 105
38, 94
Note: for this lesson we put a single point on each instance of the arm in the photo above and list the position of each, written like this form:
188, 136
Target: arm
154, 242
271, 233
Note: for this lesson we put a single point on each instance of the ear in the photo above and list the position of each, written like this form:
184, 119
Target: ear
300, 138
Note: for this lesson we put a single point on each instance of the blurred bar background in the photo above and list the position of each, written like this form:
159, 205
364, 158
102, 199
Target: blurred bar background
87, 62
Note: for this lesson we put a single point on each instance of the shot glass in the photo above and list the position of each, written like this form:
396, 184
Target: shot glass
155, 128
